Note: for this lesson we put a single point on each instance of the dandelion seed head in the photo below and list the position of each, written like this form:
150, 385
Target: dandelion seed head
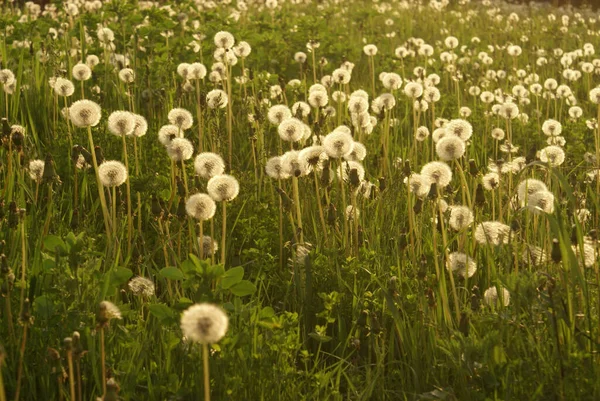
82, 72
169, 132
36, 170
461, 217
204, 323
200, 207
278, 113
493, 233
491, 296
450, 148
121, 123
180, 149
112, 173
208, 164
85, 113
181, 118
338, 143
63, 87
274, 169
461, 264
141, 286
223, 188
438, 172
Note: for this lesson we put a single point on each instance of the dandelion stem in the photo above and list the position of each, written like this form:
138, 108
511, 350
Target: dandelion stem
205, 352
103, 360
71, 374
128, 189
21, 360
105, 213
223, 232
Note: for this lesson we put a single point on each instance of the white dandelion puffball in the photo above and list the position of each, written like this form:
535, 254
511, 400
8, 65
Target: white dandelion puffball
112, 173
181, 118
217, 99
82, 72
180, 149
461, 264
127, 75
201, 207
208, 164
204, 323
541, 202
438, 173
121, 123
275, 170
223, 188
195, 71
291, 130
595, 96
461, 217
492, 232
141, 126
36, 170
528, 187
85, 113
491, 296
224, 40
450, 148
338, 143
370, 50
141, 286
278, 113
63, 87
168, 132
553, 155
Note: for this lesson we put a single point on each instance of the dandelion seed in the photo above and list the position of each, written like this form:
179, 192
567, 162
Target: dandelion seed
82, 72
121, 123
541, 202
141, 286
36, 170
223, 188
127, 75
461, 217
181, 118
291, 130
204, 323
492, 232
107, 311
274, 169
217, 98
450, 148
112, 173
63, 87
528, 187
201, 207
180, 149
278, 113
461, 264
338, 143
209, 246
208, 164
169, 132
85, 113
437, 172
491, 296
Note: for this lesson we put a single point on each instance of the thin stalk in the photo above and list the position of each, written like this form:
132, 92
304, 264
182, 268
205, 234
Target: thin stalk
206, 373
223, 233
105, 213
128, 188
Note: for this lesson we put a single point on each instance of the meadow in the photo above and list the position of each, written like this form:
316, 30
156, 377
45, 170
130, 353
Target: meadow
299, 200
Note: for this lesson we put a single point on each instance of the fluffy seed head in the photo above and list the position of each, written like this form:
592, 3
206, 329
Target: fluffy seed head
181, 118
180, 149
208, 164
461, 264
63, 87
112, 173
141, 286
201, 207
223, 188
450, 148
217, 99
169, 132
491, 296
492, 232
278, 113
438, 172
461, 217
85, 113
274, 168
291, 130
121, 123
204, 323
338, 143
82, 72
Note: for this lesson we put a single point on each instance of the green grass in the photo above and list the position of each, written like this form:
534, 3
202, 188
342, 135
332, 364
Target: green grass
363, 311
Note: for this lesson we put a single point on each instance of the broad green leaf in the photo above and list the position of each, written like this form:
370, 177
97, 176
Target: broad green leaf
172, 273
243, 288
161, 311
232, 277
